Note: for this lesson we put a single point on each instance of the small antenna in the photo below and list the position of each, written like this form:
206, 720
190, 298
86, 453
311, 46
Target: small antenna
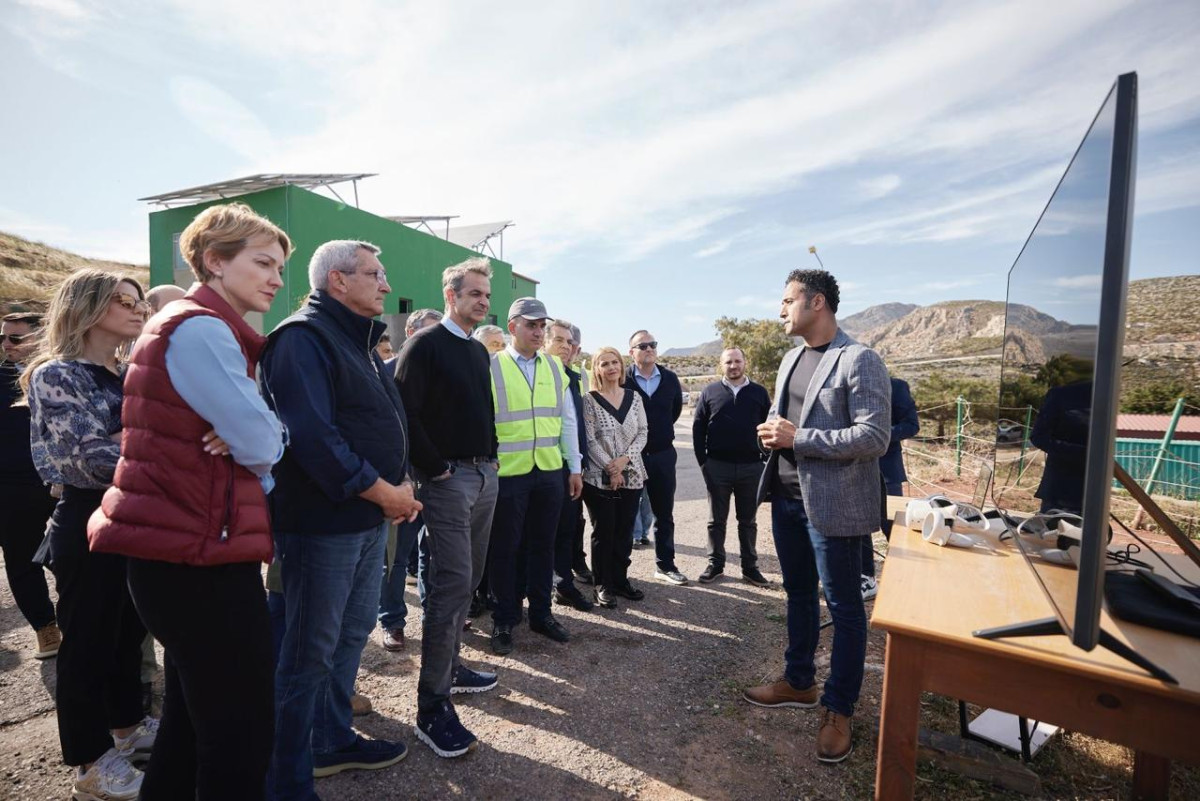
813, 250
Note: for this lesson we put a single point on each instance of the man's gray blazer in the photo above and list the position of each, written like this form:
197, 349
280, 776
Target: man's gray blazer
845, 427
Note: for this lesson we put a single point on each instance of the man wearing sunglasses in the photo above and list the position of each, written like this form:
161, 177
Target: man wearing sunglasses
25, 503
662, 396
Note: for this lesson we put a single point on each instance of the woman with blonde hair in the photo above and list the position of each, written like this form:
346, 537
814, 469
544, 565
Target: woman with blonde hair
189, 509
73, 387
616, 425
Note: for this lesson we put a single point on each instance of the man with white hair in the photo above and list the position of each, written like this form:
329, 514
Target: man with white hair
342, 479
160, 296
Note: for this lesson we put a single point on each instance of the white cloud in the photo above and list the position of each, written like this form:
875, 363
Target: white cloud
880, 186
222, 116
1078, 282
713, 249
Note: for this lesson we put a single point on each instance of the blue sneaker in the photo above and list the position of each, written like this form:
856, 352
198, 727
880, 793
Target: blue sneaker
466, 680
362, 754
442, 732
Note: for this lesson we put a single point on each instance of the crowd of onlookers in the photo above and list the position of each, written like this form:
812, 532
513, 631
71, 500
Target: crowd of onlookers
167, 451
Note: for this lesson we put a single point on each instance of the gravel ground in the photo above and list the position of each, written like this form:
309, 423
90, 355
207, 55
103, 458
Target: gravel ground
644, 702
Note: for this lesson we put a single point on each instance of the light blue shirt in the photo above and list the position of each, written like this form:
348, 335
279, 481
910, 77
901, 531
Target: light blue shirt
568, 441
208, 370
453, 328
648, 385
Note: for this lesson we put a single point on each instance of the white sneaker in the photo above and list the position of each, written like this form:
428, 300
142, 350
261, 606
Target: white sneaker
671, 577
140, 742
870, 587
110, 778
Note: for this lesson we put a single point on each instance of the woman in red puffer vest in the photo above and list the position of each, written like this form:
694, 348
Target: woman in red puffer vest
188, 507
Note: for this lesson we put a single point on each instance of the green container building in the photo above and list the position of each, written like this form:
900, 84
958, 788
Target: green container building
414, 259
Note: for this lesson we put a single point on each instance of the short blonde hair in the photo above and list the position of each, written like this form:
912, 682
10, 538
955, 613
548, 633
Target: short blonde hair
607, 350
226, 230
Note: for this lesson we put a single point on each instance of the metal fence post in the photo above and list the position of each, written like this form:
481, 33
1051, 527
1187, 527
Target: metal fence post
958, 438
1025, 438
1158, 459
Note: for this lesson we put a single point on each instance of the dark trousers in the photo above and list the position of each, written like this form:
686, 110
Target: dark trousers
564, 538
612, 514
24, 511
521, 551
578, 557
868, 546
660, 487
99, 666
218, 721
722, 480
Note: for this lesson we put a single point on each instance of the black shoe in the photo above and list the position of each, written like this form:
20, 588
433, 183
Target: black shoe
551, 628
627, 590
477, 608
750, 575
711, 572
573, 598
502, 642
605, 598
147, 699
583, 575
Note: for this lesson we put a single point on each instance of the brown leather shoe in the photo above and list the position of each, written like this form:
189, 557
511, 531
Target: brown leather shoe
782, 694
833, 738
49, 638
360, 705
393, 640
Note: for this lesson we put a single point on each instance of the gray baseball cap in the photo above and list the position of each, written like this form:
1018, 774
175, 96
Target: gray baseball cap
529, 308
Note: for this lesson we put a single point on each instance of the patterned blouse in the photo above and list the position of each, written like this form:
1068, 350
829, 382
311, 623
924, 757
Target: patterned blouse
612, 433
75, 408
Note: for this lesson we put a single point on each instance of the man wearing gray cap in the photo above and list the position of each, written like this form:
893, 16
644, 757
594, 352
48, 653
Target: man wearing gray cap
536, 430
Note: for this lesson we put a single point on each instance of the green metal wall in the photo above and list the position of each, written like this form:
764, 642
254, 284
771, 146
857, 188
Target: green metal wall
1178, 475
522, 288
414, 259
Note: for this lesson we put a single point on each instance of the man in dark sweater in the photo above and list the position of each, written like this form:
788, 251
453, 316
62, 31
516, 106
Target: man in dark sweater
443, 375
662, 396
725, 438
25, 503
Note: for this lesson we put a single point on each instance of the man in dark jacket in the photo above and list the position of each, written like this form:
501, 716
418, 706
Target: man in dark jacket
662, 396
725, 438
905, 425
25, 503
561, 342
343, 478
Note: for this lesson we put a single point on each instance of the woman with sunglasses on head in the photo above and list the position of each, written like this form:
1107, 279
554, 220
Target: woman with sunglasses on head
73, 387
188, 507
616, 425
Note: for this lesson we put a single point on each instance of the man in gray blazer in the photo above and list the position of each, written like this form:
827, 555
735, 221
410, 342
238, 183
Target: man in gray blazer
833, 405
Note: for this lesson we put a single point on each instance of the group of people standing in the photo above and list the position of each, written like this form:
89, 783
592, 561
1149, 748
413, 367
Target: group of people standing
188, 450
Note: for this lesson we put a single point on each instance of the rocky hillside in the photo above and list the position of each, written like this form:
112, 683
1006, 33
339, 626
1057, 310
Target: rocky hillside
31, 271
705, 349
874, 317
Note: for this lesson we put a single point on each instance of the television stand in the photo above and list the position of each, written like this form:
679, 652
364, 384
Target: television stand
1051, 625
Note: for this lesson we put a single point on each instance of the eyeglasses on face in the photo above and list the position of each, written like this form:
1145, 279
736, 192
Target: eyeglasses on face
380, 276
652, 345
15, 339
131, 302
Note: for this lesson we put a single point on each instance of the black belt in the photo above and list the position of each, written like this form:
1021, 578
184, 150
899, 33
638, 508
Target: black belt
473, 460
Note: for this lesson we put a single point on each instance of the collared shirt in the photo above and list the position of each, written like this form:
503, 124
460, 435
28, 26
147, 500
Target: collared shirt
568, 440
735, 387
648, 385
453, 328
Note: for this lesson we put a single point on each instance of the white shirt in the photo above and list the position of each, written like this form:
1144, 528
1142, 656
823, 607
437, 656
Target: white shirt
453, 328
568, 440
734, 388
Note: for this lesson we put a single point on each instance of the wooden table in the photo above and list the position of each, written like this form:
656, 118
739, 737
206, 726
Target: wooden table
931, 599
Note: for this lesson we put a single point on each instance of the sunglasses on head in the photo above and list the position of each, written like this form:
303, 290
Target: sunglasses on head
646, 346
15, 339
131, 302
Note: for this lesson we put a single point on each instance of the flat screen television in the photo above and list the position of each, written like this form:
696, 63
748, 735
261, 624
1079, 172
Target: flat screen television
1061, 360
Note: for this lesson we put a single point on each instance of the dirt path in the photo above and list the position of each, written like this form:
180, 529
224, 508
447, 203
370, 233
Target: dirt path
643, 703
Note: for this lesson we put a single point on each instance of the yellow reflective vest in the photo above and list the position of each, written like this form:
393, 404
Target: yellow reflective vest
528, 420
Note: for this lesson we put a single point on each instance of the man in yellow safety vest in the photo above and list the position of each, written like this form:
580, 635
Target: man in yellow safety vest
536, 428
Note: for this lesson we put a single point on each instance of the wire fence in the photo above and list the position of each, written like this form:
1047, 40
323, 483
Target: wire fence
952, 463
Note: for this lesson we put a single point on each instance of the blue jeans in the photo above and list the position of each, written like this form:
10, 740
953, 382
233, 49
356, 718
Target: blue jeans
805, 554
392, 609
331, 591
644, 519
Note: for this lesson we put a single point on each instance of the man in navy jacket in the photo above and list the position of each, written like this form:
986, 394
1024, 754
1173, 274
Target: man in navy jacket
891, 467
343, 478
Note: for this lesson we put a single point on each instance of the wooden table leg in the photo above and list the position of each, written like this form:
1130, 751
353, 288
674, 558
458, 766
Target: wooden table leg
896, 770
1151, 777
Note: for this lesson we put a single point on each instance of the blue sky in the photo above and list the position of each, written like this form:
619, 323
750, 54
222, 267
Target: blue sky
665, 163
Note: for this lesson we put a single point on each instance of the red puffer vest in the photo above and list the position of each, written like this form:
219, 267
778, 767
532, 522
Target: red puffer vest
170, 501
